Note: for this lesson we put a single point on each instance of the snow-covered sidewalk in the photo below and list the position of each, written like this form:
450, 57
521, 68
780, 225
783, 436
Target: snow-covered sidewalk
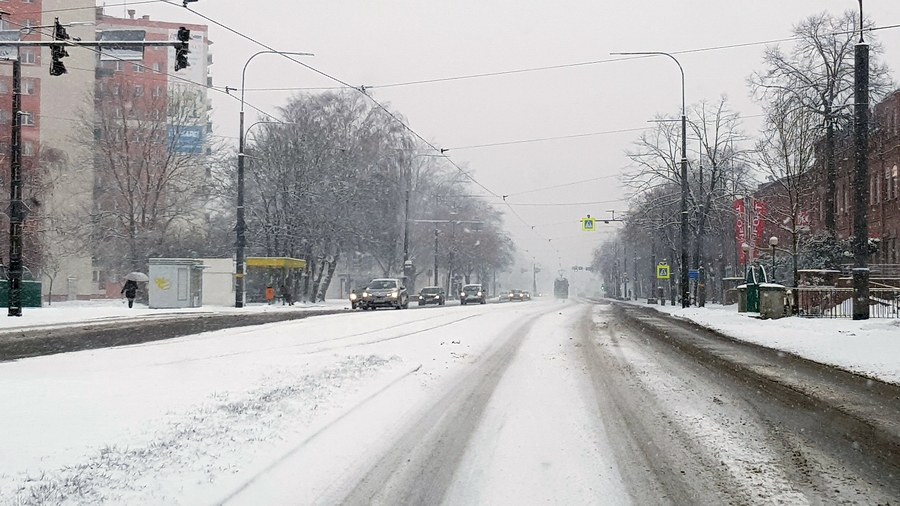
108, 310
869, 347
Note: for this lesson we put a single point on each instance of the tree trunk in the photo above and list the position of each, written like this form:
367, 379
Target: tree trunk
326, 279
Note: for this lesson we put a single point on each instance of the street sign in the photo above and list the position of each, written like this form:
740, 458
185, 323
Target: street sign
694, 274
662, 271
588, 224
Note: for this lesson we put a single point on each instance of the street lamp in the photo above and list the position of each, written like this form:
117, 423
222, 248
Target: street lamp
241, 226
773, 241
746, 249
685, 294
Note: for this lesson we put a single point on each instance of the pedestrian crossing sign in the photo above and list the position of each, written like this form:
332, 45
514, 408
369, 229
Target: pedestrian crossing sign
588, 223
662, 271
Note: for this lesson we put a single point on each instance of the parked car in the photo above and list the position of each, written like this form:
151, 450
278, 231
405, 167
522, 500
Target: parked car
432, 295
385, 292
471, 293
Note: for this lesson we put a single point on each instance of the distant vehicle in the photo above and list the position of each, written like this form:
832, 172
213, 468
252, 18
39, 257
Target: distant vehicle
356, 298
471, 293
504, 296
526, 295
518, 295
561, 288
385, 292
432, 295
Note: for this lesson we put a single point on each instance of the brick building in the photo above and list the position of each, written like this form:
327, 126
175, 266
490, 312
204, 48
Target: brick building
883, 187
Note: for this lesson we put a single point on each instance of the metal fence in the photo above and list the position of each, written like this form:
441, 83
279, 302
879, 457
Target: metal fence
830, 302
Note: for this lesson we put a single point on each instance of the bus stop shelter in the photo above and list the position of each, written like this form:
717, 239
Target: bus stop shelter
266, 276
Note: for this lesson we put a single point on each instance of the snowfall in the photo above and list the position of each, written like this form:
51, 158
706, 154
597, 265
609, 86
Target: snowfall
201, 419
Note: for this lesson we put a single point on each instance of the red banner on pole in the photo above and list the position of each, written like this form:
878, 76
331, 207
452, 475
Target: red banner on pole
759, 225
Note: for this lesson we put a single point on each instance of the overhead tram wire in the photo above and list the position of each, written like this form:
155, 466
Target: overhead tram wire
360, 89
563, 65
223, 90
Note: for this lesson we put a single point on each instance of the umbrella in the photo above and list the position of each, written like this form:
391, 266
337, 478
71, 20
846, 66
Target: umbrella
137, 276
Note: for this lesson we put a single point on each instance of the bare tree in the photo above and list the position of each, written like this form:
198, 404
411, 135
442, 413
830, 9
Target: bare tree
817, 75
786, 152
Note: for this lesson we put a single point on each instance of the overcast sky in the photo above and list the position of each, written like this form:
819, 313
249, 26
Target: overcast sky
385, 42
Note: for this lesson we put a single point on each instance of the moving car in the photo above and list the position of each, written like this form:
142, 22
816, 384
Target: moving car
356, 297
471, 293
504, 296
385, 292
517, 295
432, 295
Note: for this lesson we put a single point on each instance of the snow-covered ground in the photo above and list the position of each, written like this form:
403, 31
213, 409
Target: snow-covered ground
201, 419
106, 310
870, 347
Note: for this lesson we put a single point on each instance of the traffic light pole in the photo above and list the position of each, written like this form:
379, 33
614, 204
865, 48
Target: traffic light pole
17, 209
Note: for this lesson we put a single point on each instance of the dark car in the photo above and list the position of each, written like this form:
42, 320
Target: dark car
385, 292
356, 298
518, 295
432, 295
471, 293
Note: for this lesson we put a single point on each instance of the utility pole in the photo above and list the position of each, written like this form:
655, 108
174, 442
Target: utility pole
16, 206
861, 180
436, 257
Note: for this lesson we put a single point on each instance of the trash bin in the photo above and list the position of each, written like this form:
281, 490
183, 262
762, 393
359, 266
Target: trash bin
742, 298
29, 293
772, 300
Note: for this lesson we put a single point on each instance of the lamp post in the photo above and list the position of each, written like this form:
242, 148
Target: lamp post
746, 249
241, 226
773, 241
861, 177
685, 294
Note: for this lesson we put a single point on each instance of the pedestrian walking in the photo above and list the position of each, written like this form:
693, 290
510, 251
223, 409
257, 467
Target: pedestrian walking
286, 297
130, 290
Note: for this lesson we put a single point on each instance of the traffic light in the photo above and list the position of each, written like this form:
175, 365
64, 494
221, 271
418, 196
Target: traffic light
58, 51
182, 49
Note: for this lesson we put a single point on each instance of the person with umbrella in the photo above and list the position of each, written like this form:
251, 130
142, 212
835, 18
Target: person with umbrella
131, 285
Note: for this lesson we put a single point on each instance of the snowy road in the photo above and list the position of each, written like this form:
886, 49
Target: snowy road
516, 403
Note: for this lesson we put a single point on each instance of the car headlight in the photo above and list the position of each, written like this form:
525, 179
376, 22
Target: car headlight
394, 295
366, 294
479, 294
421, 297
353, 296
437, 296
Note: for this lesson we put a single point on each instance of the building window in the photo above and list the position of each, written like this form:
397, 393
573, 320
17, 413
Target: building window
4, 23
27, 148
27, 118
157, 67
4, 87
138, 68
28, 86
27, 1
138, 91
4, 117
118, 66
117, 90
27, 56
157, 91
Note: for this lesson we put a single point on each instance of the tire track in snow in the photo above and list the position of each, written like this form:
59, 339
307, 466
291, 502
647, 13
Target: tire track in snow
420, 466
333, 340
